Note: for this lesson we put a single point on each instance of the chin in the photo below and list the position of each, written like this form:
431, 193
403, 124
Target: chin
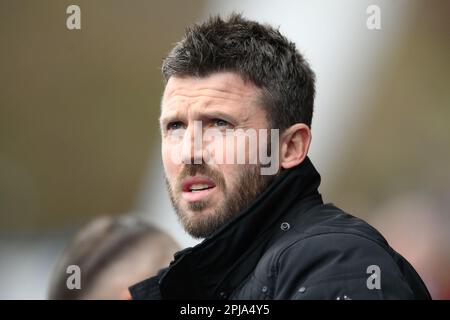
197, 214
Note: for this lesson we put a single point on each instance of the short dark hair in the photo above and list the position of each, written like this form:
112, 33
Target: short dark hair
258, 53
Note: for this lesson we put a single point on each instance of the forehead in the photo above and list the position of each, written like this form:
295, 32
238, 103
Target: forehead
224, 88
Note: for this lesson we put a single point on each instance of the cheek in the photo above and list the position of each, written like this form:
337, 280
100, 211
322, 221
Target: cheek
231, 175
169, 163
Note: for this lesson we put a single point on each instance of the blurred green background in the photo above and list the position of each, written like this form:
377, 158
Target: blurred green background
79, 108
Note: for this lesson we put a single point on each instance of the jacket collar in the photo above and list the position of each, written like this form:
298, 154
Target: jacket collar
220, 262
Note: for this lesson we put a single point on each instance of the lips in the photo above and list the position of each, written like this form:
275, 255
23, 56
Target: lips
194, 184
197, 188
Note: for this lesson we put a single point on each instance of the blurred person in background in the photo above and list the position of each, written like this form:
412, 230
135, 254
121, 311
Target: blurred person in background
112, 253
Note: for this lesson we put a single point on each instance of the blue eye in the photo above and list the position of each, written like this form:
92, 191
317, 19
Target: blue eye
174, 125
220, 122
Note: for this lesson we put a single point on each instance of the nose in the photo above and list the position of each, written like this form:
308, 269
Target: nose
192, 151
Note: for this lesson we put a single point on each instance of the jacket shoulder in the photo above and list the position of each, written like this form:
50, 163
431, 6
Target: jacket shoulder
329, 254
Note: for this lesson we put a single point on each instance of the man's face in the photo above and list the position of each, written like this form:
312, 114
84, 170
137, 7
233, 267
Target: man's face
206, 195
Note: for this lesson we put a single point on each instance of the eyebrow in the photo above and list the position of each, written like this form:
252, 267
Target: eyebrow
164, 119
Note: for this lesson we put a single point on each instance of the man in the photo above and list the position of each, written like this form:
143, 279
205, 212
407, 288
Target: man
268, 233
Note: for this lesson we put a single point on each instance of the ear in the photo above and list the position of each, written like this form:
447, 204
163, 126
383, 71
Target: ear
294, 145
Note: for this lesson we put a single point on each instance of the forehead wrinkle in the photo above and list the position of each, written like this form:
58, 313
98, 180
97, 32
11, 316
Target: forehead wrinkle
214, 110
207, 102
242, 110
210, 93
183, 97
192, 108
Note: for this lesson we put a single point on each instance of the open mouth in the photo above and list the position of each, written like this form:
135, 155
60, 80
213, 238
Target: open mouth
196, 184
197, 188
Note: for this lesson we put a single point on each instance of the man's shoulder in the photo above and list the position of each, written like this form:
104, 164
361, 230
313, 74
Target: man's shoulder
327, 248
325, 223
324, 232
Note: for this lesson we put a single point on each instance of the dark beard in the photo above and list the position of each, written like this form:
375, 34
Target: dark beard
251, 183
